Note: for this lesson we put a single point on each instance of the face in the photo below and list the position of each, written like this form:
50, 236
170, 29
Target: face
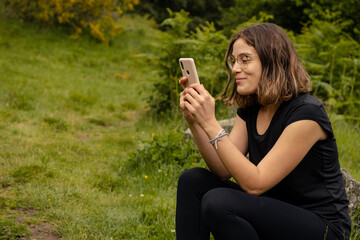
246, 67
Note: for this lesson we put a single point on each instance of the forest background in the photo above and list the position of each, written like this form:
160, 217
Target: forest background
92, 142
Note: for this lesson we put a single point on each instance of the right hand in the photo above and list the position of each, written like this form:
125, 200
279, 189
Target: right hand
188, 116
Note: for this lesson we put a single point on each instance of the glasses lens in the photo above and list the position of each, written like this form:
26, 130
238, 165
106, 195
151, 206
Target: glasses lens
230, 62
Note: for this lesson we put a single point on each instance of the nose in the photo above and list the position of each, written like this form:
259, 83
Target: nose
236, 68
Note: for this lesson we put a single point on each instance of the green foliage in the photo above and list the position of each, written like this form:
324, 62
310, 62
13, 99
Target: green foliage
98, 17
200, 10
168, 149
345, 133
332, 59
335, 11
206, 45
287, 14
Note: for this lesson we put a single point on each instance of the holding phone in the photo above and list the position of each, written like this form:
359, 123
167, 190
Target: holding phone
188, 69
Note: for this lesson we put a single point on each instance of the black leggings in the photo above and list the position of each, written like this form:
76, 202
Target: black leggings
207, 204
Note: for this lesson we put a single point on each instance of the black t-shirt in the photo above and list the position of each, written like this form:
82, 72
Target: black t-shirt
316, 183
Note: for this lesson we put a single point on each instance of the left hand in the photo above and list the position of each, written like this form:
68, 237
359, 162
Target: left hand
200, 104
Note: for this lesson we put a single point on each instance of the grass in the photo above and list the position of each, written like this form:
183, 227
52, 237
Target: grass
68, 113
71, 111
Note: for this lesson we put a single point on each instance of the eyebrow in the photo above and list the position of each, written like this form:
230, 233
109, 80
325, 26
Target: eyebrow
244, 53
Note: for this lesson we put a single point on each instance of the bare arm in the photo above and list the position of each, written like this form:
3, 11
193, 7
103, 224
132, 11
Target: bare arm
238, 136
291, 147
211, 158
207, 152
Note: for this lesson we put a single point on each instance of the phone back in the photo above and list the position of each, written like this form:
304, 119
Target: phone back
188, 69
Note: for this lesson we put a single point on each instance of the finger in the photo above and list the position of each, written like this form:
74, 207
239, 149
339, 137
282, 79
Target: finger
182, 95
183, 81
189, 98
191, 91
189, 107
199, 94
199, 88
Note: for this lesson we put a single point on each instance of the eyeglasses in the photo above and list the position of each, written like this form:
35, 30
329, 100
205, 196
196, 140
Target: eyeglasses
242, 59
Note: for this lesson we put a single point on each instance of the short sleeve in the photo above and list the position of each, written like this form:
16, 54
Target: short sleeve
311, 110
241, 112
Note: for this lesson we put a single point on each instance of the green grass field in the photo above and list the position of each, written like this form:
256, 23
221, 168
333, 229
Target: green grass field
71, 112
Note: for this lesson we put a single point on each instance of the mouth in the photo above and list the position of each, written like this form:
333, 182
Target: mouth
239, 80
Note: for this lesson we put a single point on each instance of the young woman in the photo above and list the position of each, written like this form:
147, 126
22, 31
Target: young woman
291, 186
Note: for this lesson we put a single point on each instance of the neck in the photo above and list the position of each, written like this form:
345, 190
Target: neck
270, 108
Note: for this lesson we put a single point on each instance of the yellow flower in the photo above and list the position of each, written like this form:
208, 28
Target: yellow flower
99, 145
122, 75
145, 176
49, 199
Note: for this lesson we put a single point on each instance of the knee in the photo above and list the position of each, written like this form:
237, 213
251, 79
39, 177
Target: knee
192, 177
214, 204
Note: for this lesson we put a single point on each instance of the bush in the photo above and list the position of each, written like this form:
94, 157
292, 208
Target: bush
97, 16
332, 59
168, 149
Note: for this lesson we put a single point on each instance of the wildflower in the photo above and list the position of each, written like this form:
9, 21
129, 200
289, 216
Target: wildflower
172, 230
141, 195
49, 199
122, 75
145, 176
130, 195
159, 170
99, 145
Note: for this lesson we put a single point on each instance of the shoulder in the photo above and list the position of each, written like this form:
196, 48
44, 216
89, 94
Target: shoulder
306, 107
305, 99
303, 104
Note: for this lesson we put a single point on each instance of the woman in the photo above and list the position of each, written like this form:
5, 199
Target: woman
291, 186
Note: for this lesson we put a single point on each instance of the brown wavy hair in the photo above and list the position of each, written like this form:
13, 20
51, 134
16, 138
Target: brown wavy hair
282, 75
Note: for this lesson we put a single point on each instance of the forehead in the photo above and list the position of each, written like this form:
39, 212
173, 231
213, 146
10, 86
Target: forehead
240, 46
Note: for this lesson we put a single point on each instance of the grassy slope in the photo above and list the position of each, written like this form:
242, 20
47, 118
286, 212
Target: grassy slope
68, 111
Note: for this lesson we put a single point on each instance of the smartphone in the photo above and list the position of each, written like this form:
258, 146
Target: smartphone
188, 69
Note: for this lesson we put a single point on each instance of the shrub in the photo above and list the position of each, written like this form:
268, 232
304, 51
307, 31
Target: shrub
164, 150
332, 59
97, 16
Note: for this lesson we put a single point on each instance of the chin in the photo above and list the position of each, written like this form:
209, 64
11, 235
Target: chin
244, 91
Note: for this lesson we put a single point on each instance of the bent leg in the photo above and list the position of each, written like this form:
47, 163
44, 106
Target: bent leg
192, 186
232, 214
